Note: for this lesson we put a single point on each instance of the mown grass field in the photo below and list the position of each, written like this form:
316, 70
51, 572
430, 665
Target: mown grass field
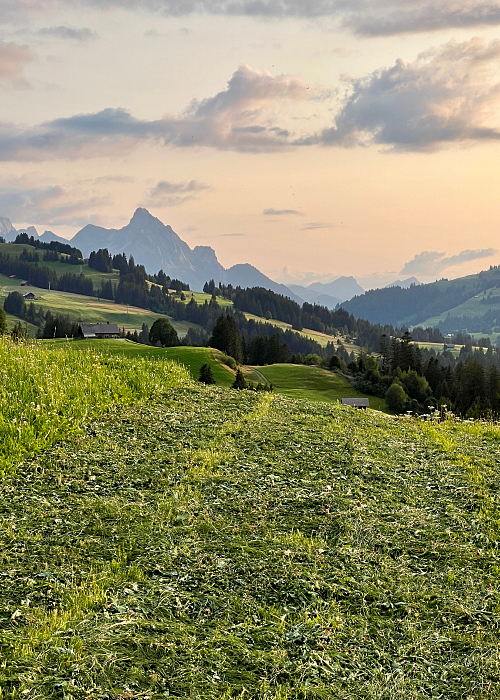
313, 383
211, 544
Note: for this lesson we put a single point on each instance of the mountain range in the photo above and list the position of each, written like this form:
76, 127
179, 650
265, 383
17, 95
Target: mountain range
157, 246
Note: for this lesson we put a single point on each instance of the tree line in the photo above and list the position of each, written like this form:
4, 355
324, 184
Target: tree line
55, 246
414, 379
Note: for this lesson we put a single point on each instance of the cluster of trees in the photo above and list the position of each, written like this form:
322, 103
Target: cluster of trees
413, 379
267, 304
101, 260
24, 239
486, 323
45, 277
58, 326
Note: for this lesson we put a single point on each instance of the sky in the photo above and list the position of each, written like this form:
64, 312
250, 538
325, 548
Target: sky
310, 138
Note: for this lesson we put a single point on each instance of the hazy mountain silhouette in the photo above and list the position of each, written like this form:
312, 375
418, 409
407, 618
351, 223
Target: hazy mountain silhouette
157, 246
6, 228
314, 297
343, 288
404, 284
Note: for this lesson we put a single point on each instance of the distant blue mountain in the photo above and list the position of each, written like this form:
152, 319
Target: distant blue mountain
157, 246
48, 236
404, 284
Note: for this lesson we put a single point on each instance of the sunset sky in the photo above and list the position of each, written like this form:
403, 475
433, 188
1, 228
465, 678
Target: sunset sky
311, 138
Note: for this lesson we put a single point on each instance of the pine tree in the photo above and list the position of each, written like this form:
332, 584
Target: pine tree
226, 337
239, 380
206, 375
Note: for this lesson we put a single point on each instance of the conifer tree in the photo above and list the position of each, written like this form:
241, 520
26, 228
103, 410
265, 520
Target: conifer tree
206, 375
239, 381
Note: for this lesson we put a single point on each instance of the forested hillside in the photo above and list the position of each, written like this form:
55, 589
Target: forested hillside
418, 303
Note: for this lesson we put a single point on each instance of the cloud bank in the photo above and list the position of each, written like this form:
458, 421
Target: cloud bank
363, 17
77, 34
236, 118
51, 205
431, 262
448, 95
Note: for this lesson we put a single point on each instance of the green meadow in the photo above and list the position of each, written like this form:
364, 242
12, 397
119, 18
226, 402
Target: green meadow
191, 357
296, 381
160, 538
87, 309
308, 382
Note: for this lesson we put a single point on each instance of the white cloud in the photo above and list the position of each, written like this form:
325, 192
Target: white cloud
238, 118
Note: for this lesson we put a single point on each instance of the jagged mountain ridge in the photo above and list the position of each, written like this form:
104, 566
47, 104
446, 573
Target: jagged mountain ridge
8, 232
157, 246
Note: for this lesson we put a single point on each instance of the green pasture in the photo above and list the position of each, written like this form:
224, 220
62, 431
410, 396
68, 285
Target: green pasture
438, 347
205, 543
313, 383
13, 320
192, 358
200, 298
322, 338
86, 309
471, 307
98, 278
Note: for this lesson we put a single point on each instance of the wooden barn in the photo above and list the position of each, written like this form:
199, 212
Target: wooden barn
99, 330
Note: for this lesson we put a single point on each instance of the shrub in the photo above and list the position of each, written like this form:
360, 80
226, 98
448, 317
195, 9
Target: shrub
396, 398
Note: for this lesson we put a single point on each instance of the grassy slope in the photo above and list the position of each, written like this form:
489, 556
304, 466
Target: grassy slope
322, 338
219, 544
91, 310
471, 307
192, 358
97, 277
297, 381
313, 383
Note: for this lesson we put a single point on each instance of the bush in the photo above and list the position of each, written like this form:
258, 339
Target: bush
229, 361
164, 333
396, 398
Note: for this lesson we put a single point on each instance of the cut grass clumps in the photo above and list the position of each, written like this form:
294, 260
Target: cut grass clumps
218, 544
46, 394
